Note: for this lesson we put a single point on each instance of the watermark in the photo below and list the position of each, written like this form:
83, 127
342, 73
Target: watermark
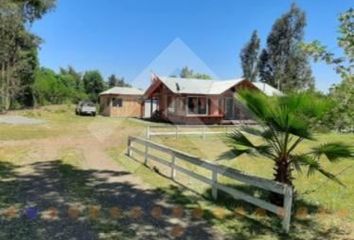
156, 212
94, 211
197, 213
178, 212
74, 212
301, 213
50, 214
240, 212
31, 213
220, 213
177, 231
11, 212
115, 213
136, 212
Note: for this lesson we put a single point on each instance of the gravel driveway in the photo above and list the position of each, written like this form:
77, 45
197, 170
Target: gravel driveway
20, 120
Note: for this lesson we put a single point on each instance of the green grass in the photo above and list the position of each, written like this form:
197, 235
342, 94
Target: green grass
329, 205
315, 189
60, 121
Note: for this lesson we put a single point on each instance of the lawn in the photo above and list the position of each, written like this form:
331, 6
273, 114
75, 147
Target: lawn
323, 209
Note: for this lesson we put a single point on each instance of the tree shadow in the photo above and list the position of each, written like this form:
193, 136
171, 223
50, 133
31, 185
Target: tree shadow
247, 221
55, 200
305, 221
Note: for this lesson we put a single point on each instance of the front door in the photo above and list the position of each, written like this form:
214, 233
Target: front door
229, 108
150, 106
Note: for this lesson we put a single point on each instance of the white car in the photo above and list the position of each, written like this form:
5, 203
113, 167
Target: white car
85, 108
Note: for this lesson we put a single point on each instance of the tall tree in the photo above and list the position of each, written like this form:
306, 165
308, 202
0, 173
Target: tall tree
341, 116
93, 83
18, 48
283, 64
75, 76
189, 73
114, 81
249, 57
186, 73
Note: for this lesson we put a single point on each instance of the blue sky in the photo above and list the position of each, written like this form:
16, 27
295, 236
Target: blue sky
124, 37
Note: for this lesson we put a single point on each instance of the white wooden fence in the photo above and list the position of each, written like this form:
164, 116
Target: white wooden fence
177, 130
175, 155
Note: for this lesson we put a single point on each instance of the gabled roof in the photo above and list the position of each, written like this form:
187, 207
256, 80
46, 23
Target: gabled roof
207, 87
267, 89
123, 91
198, 86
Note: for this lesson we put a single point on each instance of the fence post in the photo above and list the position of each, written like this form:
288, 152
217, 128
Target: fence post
176, 131
203, 132
214, 191
129, 152
288, 198
146, 154
173, 169
148, 132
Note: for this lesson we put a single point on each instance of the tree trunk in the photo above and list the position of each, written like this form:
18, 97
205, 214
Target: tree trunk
2, 85
282, 174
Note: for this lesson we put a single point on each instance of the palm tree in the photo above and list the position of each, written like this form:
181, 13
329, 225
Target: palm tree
284, 124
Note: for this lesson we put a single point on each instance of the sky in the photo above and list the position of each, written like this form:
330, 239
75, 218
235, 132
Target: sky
132, 38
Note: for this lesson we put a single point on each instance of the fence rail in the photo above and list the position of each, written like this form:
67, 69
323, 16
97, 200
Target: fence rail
201, 130
283, 211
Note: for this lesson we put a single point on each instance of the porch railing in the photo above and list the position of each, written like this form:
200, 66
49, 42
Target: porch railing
178, 130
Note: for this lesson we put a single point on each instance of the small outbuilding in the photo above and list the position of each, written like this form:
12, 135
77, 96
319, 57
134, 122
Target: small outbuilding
121, 102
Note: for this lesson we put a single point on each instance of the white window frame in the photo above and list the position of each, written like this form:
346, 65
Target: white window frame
197, 114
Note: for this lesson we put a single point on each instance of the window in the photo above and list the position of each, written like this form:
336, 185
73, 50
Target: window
197, 105
181, 105
171, 104
117, 102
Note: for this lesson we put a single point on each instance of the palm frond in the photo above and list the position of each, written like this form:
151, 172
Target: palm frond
252, 130
284, 120
333, 151
305, 104
296, 162
259, 104
240, 144
238, 138
313, 166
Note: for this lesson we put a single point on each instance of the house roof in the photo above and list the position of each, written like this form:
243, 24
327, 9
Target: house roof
198, 86
267, 89
123, 91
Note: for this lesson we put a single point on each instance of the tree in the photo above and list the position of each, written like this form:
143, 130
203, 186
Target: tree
249, 58
283, 64
18, 49
75, 76
341, 116
189, 73
34, 9
114, 81
284, 125
93, 83
186, 73
48, 88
